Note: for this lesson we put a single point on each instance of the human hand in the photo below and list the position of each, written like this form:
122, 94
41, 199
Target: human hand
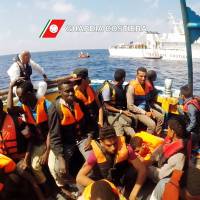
44, 158
100, 124
17, 81
127, 113
46, 78
152, 114
26, 132
62, 169
24, 164
148, 114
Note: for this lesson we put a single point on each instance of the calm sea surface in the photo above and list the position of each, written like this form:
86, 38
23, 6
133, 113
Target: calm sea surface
101, 66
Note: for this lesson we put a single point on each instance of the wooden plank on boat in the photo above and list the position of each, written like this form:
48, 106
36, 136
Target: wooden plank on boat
51, 84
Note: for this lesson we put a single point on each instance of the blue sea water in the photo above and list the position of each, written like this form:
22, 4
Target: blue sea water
101, 66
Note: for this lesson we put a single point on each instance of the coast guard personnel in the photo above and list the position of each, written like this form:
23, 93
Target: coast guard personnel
22, 67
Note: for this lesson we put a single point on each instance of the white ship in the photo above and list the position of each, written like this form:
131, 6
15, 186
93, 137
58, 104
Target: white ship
166, 46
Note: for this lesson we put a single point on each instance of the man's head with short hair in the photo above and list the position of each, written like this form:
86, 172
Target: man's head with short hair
25, 85
186, 91
108, 139
66, 90
151, 75
25, 57
120, 75
25, 92
141, 75
136, 142
141, 69
64, 82
176, 128
101, 190
106, 132
82, 73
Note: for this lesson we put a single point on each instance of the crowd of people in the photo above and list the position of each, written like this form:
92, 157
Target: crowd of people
83, 144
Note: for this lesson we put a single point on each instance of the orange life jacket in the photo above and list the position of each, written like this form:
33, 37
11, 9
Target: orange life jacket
68, 117
121, 155
90, 95
104, 164
192, 101
172, 188
8, 141
41, 115
7, 165
140, 94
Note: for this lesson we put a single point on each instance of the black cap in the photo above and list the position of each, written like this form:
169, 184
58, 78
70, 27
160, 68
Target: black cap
107, 132
81, 72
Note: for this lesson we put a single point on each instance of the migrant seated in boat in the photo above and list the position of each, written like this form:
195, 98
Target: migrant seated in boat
172, 154
138, 103
191, 109
113, 97
85, 93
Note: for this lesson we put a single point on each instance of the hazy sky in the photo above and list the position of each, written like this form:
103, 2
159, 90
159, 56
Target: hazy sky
23, 20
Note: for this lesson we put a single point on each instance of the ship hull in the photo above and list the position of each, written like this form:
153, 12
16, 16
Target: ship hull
165, 54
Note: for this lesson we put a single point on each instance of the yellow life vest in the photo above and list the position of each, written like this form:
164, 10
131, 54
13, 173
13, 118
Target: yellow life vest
152, 142
7, 165
87, 191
